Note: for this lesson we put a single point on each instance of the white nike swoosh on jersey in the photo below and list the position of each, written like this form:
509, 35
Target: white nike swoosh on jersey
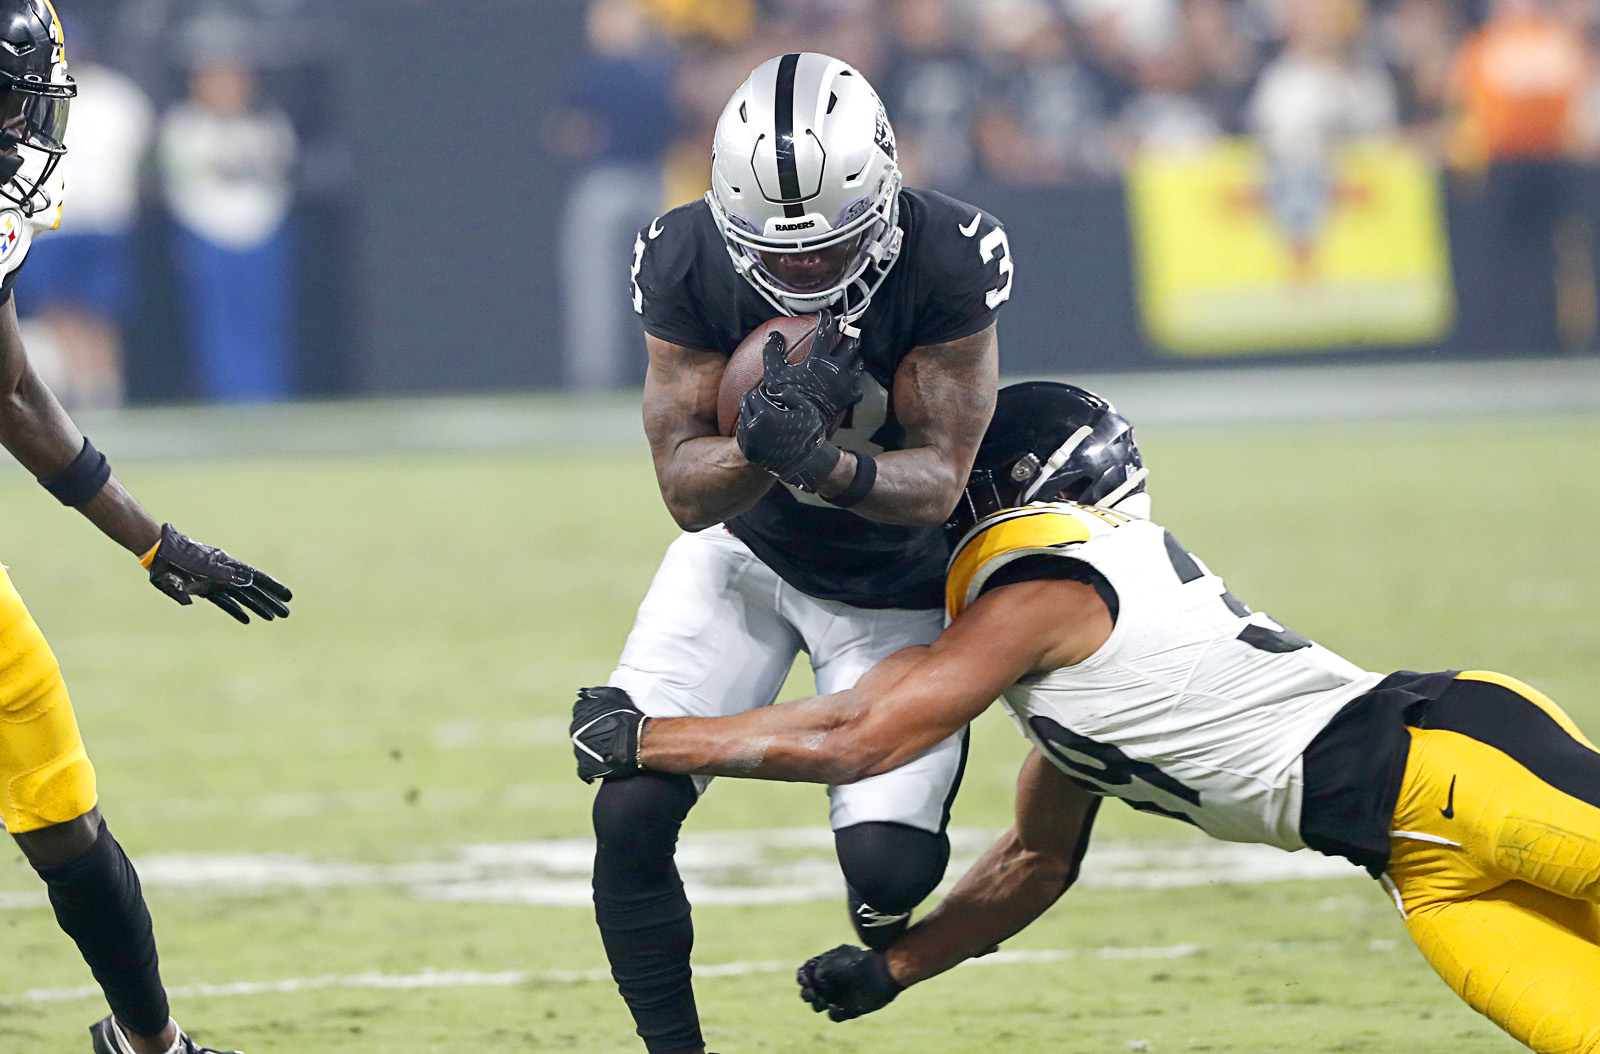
655, 229
969, 229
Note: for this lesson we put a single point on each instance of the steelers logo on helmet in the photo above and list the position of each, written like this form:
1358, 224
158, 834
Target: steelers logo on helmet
36, 93
805, 187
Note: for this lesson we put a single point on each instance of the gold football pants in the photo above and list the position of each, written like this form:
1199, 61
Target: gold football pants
1496, 859
45, 776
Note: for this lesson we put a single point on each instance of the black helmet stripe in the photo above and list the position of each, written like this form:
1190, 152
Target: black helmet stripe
783, 116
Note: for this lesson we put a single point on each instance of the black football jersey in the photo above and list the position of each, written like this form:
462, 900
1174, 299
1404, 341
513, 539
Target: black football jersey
953, 273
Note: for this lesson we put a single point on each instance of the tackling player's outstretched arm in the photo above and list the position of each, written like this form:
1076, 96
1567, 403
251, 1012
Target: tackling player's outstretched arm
43, 439
906, 704
704, 477
943, 397
1015, 882
1012, 884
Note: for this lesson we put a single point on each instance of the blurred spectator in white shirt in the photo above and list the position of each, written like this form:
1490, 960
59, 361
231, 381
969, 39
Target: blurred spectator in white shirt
1319, 91
77, 284
227, 159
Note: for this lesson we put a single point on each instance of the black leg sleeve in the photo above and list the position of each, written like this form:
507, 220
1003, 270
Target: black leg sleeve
890, 868
99, 904
641, 908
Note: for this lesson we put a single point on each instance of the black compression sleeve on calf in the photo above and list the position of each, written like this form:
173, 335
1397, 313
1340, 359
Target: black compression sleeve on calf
99, 904
81, 480
641, 908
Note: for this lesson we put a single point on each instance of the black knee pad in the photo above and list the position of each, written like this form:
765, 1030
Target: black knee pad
890, 869
636, 820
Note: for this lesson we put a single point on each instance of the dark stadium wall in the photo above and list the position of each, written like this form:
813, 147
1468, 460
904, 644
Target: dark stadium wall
456, 271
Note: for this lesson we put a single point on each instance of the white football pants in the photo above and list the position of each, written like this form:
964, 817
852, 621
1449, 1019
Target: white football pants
717, 634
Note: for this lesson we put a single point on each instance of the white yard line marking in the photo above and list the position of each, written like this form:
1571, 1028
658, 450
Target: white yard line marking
720, 868
373, 980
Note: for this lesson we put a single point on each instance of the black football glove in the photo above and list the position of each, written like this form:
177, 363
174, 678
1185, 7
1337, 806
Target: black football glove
829, 376
787, 437
605, 733
184, 569
847, 982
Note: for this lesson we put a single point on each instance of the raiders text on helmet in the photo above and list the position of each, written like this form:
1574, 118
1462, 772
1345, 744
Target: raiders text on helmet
804, 163
1052, 442
35, 93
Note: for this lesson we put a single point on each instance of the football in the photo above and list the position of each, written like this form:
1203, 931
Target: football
744, 368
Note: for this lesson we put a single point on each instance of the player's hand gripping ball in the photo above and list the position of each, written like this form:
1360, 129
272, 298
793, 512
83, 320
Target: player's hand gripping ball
786, 420
829, 375
847, 982
606, 727
817, 359
183, 569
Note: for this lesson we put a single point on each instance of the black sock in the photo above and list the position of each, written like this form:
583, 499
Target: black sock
889, 868
99, 904
641, 908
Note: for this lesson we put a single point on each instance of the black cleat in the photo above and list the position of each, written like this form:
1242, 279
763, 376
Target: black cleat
109, 1039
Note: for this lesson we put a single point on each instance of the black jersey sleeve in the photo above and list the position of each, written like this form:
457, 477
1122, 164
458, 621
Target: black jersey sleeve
965, 270
661, 283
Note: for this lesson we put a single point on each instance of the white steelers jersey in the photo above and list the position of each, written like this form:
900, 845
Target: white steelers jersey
1195, 707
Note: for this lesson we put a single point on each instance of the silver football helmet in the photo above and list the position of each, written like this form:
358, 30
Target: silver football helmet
805, 185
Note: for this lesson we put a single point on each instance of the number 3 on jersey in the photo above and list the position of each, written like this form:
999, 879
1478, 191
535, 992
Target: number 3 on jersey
995, 244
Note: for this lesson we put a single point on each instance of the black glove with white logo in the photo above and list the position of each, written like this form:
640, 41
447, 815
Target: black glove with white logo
847, 982
830, 374
787, 437
183, 569
605, 733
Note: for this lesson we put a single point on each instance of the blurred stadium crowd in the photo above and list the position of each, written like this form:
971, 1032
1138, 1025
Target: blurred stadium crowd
993, 94
215, 210
193, 144
1047, 92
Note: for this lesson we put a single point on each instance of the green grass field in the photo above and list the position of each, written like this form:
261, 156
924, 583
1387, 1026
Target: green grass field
446, 608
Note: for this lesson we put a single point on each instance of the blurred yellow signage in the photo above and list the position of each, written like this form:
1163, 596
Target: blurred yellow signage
1235, 253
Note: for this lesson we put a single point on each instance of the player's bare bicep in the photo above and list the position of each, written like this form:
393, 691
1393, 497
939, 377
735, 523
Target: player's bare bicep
944, 393
680, 394
1054, 814
13, 359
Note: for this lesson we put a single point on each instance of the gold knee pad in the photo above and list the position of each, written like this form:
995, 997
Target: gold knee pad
45, 775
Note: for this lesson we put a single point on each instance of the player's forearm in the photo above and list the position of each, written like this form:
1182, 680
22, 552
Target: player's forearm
44, 440
1006, 890
914, 488
799, 742
708, 481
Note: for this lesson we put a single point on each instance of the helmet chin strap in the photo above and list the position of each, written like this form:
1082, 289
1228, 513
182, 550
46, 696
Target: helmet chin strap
1110, 500
1055, 461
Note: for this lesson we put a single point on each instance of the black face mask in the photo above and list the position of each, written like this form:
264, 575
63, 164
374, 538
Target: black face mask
32, 120
13, 129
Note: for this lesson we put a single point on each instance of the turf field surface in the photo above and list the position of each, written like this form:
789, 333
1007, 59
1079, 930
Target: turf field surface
408, 718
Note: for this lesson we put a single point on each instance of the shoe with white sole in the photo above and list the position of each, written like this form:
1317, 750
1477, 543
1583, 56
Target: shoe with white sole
109, 1039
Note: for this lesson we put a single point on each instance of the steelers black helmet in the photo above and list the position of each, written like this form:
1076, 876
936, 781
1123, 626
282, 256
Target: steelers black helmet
35, 94
1051, 442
